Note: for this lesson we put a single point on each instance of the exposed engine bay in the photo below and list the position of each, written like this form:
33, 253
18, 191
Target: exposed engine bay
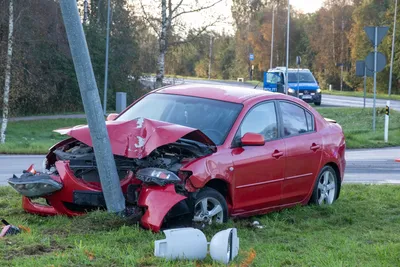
82, 159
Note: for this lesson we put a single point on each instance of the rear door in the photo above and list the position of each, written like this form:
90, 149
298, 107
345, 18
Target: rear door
303, 151
259, 170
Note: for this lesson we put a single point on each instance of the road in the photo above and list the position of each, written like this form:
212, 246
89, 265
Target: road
15, 164
350, 101
363, 166
373, 166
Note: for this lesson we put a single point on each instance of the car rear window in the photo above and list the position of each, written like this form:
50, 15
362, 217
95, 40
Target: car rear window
295, 120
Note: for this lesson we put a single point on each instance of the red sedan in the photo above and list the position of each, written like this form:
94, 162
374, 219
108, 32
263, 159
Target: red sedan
198, 152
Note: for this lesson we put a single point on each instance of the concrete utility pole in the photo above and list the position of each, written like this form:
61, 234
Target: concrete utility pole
107, 52
391, 60
110, 184
287, 47
272, 36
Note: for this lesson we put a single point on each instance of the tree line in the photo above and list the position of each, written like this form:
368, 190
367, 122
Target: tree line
156, 41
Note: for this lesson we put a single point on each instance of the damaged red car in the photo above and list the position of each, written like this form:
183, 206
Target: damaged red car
197, 152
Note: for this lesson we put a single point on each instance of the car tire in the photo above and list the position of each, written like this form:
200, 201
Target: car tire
209, 207
317, 103
326, 187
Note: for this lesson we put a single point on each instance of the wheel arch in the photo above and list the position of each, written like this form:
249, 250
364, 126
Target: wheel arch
221, 186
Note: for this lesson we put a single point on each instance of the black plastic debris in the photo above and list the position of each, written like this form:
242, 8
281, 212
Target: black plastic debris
8, 229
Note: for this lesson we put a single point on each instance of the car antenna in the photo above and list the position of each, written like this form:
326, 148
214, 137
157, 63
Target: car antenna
257, 85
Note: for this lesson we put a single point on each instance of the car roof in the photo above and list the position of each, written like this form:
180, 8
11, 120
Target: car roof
289, 70
235, 94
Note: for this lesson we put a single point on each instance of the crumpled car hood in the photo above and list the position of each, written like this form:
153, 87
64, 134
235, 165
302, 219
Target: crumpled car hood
138, 138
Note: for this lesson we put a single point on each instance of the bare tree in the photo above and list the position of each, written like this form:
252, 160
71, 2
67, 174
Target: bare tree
7, 73
170, 18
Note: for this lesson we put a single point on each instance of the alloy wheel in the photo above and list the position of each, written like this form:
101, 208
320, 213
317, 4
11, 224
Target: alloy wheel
326, 188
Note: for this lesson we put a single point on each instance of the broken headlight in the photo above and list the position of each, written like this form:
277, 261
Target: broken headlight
31, 185
157, 176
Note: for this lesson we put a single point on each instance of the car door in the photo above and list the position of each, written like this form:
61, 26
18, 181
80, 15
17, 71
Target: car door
303, 151
259, 170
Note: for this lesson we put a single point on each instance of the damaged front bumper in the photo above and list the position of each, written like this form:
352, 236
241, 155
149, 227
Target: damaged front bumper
151, 205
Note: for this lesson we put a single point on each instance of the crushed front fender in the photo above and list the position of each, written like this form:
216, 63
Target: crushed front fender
157, 201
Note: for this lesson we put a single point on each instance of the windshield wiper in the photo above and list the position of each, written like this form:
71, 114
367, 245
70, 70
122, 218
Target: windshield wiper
199, 145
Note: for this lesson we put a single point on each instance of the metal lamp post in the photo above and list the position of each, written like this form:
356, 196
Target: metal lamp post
391, 61
107, 51
287, 47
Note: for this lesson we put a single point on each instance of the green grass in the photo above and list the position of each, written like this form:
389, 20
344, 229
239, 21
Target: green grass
357, 126
360, 229
34, 137
361, 94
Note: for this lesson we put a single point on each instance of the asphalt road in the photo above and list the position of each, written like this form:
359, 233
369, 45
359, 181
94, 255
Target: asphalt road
350, 101
373, 166
363, 166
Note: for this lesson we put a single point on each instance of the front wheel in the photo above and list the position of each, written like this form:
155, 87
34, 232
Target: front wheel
210, 207
317, 103
326, 187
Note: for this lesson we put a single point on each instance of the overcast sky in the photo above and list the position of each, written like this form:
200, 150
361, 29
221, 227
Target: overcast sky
224, 8
307, 6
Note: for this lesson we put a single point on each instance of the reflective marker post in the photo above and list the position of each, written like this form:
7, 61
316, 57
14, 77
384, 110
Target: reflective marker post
387, 113
365, 83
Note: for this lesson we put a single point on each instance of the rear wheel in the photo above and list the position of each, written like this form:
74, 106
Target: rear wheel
210, 208
326, 187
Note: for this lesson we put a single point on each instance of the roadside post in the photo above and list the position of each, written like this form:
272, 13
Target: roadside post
375, 61
298, 62
251, 58
365, 83
120, 104
362, 71
387, 114
105, 162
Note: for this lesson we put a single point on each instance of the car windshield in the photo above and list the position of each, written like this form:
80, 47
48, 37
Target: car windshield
304, 77
273, 77
214, 118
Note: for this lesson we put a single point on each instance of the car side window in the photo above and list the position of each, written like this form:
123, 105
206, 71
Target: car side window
310, 122
295, 119
261, 120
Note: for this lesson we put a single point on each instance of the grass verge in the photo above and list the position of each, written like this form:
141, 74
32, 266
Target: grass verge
360, 229
34, 137
361, 94
357, 126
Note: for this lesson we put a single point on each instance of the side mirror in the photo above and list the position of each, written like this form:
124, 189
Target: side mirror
252, 139
112, 116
